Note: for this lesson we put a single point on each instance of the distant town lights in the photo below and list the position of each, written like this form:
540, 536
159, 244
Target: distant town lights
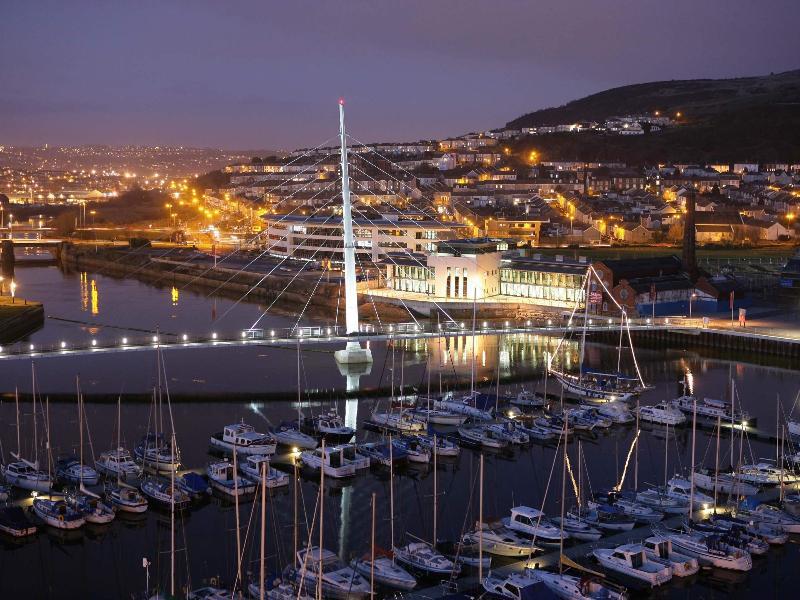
184, 337
94, 342
63, 344
124, 341
214, 335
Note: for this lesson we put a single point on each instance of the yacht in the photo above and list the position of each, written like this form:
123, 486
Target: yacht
773, 534
680, 488
499, 540
331, 460
438, 416
415, 451
126, 499
223, 478
516, 586
338, 580
244, 440
386, 572
329, 426
617, 411
277, 589
5, 492
381, 454
252, 469
94, 510
775, 516
209, 593
578, 529
659, 500
631, 560
351, 452
599, 387
159, 491
117, 463
533, 523
422, 557
659, 550
26, 475
58, 514
554, 424
765, 473
591, 417
13, 522
570, 587
711, 409
535, 432
194, 484
794, 428
623, 501
509, 431
402, 421
71, 471
288, 435
528, 399
467, 406
726, 483
155, 452
444, 447
709, 550
608, 518
738, 537
480, 435
662, 414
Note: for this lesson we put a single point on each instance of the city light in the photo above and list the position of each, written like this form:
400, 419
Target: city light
124, 341
213, 336
63, 345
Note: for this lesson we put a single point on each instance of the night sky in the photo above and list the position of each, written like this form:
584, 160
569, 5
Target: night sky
240, 75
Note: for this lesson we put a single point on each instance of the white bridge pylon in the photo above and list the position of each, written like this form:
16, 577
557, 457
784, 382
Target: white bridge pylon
353, 353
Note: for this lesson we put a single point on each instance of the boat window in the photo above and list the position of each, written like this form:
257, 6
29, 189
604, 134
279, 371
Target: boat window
522, 519
637, 560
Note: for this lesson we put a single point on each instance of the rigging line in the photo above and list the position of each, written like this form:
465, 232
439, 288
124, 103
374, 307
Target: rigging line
308, 300
291, 281
369, 293
553, 355
260, 281
410, 255
276, 241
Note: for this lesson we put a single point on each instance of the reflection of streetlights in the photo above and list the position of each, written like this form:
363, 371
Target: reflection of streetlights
93, 213
13, 288
10, 226
691, 299
2, 279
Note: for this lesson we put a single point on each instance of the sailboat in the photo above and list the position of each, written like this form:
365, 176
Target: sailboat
591, 385
23, 473
119, 464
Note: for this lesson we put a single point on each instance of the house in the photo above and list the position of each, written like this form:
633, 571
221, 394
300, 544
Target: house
633, 233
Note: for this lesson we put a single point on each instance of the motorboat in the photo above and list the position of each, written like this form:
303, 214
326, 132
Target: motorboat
499, 540
385, 571
738, 537
351, 453
553, 424
608, 518
473, 405
328, 425
160, 492
775, 516
711, 409
13, 522
401, 421
483, 436
58, 514
444, 447
589, 418
659, 500
331, 459
224, 479
579, 420
680, 488
528, 399
533, 523
659, 550
117, 463
791, 504
26, 475
92, 507
156, 453
126, 499
466, 556
617, 411
662, 414
631, 560
194, 484
516, 586
276, 588
254, 466
424, 558
244, 440
290, 436
709, 550
336, 579
726, 483
570, 587
535, 432
380, 453
773, 534
765, 472
415, 451
509, 431
577, 528
71, 471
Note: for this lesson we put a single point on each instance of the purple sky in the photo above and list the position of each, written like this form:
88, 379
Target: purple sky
237, 74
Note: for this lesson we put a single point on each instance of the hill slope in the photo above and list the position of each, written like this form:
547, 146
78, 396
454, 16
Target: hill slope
748, 118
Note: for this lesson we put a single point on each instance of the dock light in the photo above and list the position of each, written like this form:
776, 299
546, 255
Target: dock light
94, 342
647, 320
485, 324
666, 321
63, 344
295, 450
528, 322
31, 347
272, 333
609, 321
34, 494
506, 323
124, 341
13, 287
391, 328
440, 326
214, 335
1, 348
549, 322
461, 325
328, 330
185, 337
744, 423
244, 335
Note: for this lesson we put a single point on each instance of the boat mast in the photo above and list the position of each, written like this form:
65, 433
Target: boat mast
716, 463
294, 532
236, 512
497, 383
80, 434
666, 455
35, 433
439, 352
391, 491
321, 528
585, 322
16, 403
636, 461
262, 572
472, 367
119, 425
435, 487
299, 395
480, 524
694, 439
372, 554
171, 514
563, 497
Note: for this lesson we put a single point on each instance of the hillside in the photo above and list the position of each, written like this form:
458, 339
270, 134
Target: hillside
749, 118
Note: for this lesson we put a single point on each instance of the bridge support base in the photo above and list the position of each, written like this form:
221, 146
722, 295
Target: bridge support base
353, 354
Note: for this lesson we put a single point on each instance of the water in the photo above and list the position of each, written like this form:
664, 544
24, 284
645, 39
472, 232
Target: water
106, 562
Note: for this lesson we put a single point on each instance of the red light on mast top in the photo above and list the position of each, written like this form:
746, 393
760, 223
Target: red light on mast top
341, 101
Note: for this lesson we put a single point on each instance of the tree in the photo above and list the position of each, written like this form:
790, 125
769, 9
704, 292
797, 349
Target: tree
256, 161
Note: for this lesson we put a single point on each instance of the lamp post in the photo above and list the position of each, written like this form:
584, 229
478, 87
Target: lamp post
13, 288
691, 299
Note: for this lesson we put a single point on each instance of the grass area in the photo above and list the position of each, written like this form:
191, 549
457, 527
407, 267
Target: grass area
614, 252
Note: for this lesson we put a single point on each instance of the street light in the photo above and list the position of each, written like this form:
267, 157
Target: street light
691, 299
13, 288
